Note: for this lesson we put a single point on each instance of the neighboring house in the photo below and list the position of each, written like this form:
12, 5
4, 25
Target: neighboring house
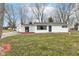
43, 27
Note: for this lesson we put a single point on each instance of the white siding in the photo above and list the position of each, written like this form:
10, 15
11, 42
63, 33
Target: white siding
78, 28
59, 29
32, 28
20, 28
54, 29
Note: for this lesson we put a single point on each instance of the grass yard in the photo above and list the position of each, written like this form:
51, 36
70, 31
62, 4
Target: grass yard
49, 44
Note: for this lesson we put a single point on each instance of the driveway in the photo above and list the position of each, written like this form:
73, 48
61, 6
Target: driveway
9, 34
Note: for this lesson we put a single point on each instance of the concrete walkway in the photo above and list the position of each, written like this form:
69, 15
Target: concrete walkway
4, 35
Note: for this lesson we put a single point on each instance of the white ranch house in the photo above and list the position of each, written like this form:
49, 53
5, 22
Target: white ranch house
43, 27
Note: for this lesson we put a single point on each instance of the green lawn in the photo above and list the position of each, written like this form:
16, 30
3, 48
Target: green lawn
49, 44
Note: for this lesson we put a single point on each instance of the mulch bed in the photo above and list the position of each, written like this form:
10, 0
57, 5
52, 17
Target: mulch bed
27, 33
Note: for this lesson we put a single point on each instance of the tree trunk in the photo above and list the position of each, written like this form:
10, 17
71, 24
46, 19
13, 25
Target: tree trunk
2, 7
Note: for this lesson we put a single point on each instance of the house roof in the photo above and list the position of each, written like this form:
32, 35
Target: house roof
54, 24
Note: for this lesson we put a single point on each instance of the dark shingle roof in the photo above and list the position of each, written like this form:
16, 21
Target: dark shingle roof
54, 24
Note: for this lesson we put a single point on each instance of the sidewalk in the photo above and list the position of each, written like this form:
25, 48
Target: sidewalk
9, 34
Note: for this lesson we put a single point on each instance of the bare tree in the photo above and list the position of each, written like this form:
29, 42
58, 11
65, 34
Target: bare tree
38, 11
23, 13
10, 15
77, 11
64, 11
2, 9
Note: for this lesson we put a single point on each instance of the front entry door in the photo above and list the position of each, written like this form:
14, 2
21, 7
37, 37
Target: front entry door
50, 28
26, 29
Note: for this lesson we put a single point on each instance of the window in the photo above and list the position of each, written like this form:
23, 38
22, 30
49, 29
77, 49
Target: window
42, 27
64, 26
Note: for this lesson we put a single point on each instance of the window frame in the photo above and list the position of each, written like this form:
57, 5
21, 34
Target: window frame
41, 27
64, 26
